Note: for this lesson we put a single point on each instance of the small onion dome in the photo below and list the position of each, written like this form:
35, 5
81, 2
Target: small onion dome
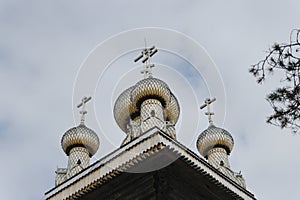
150, 88
80, 136
214, 137
123, 109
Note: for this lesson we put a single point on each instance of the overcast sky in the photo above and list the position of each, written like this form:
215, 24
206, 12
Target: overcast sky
44, 43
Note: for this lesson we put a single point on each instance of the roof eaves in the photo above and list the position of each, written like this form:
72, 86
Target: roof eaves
135, 152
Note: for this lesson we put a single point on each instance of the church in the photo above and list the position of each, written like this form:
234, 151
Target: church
150, 162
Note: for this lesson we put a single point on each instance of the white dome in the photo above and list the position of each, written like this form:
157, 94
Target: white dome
127, 105
214, 137
80, 136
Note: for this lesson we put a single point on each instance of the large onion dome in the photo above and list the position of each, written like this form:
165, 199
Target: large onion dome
127, 105
80, 136
214, 137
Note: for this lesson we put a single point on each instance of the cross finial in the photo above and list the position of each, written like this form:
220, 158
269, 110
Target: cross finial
83, 112
146, 54
207, 103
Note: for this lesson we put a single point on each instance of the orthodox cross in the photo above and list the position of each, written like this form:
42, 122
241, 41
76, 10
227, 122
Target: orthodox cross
207, 103
83, 112
146, 54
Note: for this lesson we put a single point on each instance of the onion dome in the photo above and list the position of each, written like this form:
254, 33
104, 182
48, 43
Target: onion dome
80, 136
214, 137
124, 109
150, 88
127, 105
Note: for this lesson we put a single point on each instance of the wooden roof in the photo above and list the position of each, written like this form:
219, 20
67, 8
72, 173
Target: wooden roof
153, 166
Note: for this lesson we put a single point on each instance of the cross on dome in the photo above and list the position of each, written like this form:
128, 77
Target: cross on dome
207, 103
146, 54
83, 112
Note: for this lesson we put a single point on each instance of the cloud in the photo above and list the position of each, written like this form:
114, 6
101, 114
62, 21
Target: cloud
43, 44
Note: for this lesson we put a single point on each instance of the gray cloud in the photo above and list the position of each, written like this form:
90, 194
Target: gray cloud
43, 44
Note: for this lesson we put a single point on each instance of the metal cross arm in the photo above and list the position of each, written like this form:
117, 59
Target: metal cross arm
207, 103
84, 100
83, 112
146, 54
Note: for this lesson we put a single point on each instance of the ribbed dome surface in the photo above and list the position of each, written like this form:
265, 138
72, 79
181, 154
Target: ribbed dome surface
128, 103
123, 109
214, 137
150, 87
173, 109
80, 136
